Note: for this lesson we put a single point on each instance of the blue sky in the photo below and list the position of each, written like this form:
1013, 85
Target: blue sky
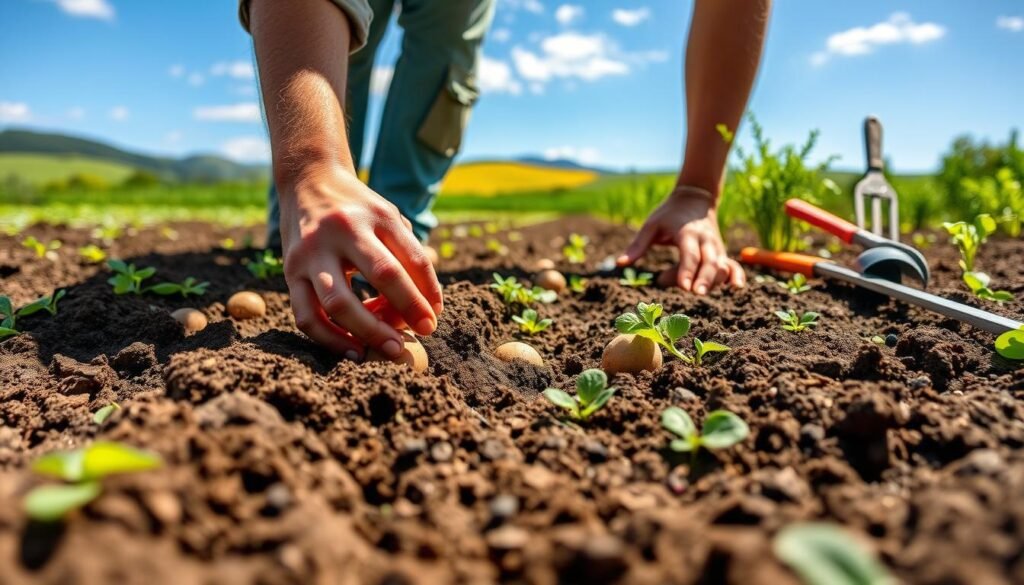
595, 80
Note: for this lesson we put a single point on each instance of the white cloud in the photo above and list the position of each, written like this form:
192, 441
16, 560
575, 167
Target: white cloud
76, 113
1011, 23
572, 55
119, 113
585, 155
630, 17
247, 149
240, 112
14, 112
501, 35
534, 6
99, 9
566, 14
195, 79
380, 79
233, 69
176, 70
496, 77
899, 28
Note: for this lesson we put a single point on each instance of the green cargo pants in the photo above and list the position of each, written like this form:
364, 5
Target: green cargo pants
428, 103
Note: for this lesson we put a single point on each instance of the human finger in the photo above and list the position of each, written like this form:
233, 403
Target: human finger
346, 310
311, 320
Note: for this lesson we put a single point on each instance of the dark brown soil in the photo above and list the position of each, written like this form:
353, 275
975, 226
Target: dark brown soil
285, 465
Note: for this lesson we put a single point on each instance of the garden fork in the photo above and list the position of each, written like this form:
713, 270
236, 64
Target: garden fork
874, 185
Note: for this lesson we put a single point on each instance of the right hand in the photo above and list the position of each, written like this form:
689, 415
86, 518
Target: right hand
332, 225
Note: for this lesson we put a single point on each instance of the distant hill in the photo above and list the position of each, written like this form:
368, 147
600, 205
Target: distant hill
199, 168
563, 163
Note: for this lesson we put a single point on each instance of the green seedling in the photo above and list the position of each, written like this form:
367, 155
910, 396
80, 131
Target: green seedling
491, 227
968, 238
9, 315
631, 278
578, 284
575, 251
227, 243
92, 254
1010, 344
529, 324
825, 554
266, 265
48, 304
666, 330
495, 247
796, 285
107, 233
41, 249
592, 393
791, 321
104, 413
475, 231
513, 292
722, 429
81, 470
189, 286
978, 283
127, 278
446, 250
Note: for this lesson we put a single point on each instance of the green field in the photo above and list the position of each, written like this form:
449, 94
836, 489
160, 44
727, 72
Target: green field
37, 169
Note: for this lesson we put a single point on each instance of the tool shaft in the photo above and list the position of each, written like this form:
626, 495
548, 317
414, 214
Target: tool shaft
981, 319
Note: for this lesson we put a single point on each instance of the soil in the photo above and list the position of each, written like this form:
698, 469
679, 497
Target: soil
284, 464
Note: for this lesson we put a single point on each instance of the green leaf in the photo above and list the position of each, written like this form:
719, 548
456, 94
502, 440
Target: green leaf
649, 313
562, 400
104, 413
824, 554
682, 445
122, 284
165, 288
145, 273
95, 462
598, 402
6, 332
786, 316
66, 465
676, 326
699, 346
589, 385
723, 429
6, 308
117, 265
809, 318
985, 225
50, 503
34, 307
976, 280
1010, 344
677, 421
629, 323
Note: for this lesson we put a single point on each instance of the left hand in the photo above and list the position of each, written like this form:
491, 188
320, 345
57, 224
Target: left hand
689, 222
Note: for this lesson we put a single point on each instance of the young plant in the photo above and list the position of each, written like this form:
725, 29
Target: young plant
791, 321
1010, 344
722, 429
266, 265
92, 254
978, 283
446, 250
48, 304
41, 249
631, 278
529, 324
825, 554
475, 231
496, 248
104, 413
665, 330
107, 233
796, 285
127, 278
9, 316
578, 284
513, 292
592, 393
189, 286
968, 238
575, 251
81, 470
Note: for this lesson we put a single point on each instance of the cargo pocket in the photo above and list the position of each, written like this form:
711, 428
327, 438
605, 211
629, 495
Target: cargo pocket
446, 121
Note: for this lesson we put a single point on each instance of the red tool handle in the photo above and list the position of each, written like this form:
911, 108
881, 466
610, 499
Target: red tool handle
818, 217
784, 261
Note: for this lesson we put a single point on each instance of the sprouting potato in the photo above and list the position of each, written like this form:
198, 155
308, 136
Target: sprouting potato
246, 305
517, 350
552, 280
413, 354
631, 354
192, 320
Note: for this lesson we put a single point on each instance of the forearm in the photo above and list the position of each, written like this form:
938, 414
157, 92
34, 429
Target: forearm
722, 57
302, 54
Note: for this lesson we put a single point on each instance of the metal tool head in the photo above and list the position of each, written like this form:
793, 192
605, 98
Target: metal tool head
874, 186
873, 241
890, 263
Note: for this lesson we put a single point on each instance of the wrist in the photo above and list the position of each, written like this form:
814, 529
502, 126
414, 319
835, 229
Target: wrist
684, 192
310, 171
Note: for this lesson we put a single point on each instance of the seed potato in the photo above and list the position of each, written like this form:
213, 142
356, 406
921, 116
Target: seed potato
192, 320
552, 280
517, 350
631, 354
413, 354
246, 305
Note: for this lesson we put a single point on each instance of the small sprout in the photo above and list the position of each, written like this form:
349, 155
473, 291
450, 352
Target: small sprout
978, 283
665, 332
475, 231
189, 286
227, 243
576, 250
41, 249
92, 254
9, 316
495, 247
721, 429
446, 250
825, 554
703, 347
48, 304
968, 237
127, 278
796, 285
266, 265
81, 469
578, 284
104, 413
529, 324
592, 393
513, 292
491, 227
631, 278
1010, 344
108, 233
796, 323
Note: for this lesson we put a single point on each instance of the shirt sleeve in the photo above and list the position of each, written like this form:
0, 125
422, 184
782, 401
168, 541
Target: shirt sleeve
358, 12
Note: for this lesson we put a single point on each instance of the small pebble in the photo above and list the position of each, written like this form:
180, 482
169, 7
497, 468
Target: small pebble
595, 450
504, 506
413, 447
441, 452
891, 339
492, 450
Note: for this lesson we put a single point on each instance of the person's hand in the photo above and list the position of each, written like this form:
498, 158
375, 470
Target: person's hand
687, 220
333, 225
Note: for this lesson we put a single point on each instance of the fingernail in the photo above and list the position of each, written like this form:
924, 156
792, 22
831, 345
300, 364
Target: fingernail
438, 308
687, 283
701, 289
352, 355
622, 259
425, 326
391, 348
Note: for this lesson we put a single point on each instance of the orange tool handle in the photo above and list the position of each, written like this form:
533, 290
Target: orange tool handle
783, 261
819, 218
